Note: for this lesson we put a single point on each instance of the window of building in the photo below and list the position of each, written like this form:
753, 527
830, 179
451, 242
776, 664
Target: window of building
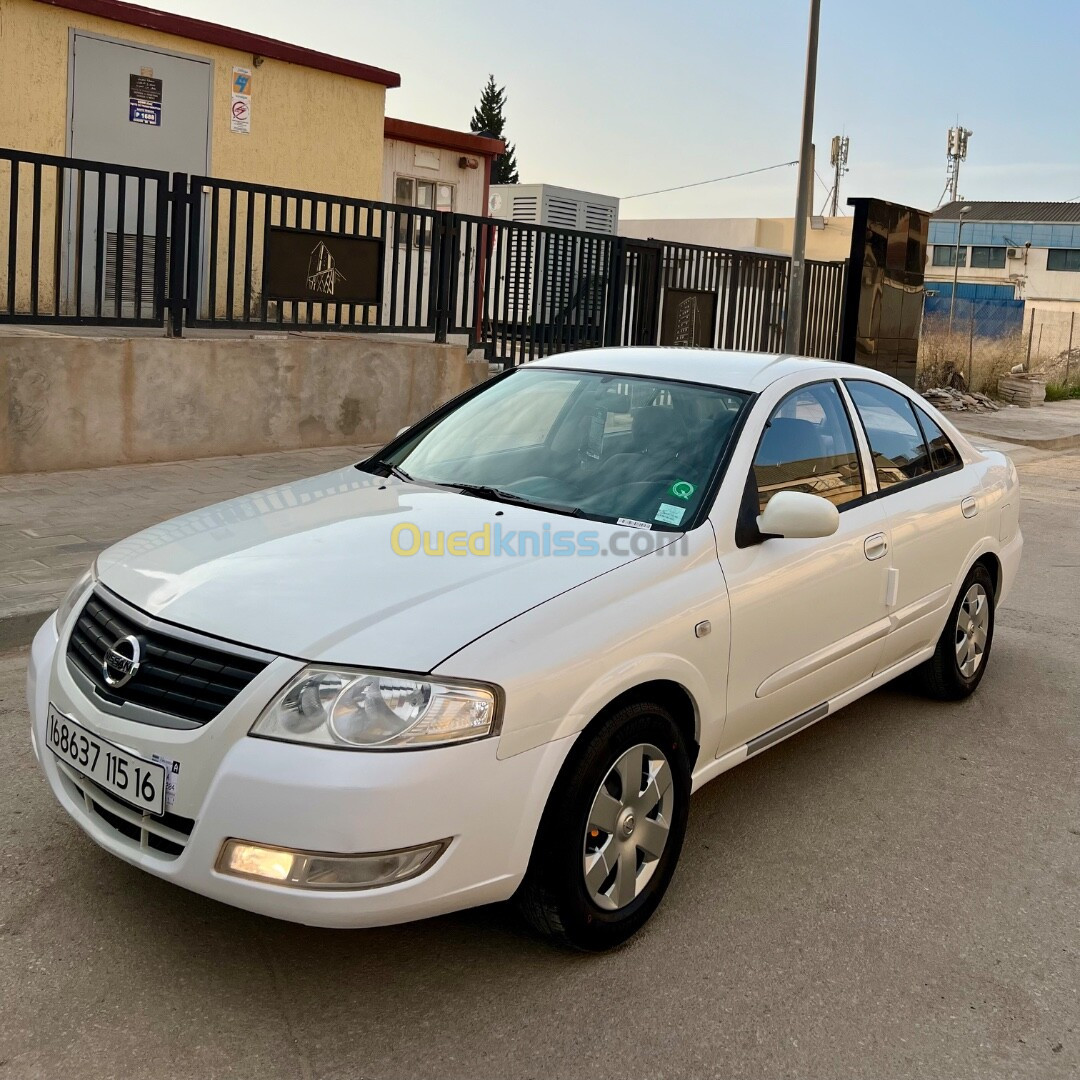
808, 445
990, 258
424, 195
1063, 259
944, 255
943, 455
900, 453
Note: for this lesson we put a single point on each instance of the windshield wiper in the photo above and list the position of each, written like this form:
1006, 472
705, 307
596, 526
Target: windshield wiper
483, 491
388, 469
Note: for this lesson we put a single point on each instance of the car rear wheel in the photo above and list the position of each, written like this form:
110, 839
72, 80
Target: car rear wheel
612, 831
963, 650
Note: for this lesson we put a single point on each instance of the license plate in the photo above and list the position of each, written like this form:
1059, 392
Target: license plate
134, 779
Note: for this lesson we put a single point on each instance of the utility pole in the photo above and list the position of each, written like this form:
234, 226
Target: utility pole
956, 265
794, 324
838, 159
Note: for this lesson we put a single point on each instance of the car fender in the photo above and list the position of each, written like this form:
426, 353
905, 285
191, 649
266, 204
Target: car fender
983, 546
626, 677
661, 617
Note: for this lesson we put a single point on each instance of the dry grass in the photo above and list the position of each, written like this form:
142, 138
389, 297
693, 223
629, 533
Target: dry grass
940, 355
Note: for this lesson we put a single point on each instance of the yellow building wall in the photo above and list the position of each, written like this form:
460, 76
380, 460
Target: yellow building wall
831, 244
311, 129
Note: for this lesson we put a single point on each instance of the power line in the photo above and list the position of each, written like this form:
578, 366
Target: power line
714, 180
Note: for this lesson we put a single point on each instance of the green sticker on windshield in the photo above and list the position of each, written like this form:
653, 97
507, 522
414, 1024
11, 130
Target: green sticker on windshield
681, 489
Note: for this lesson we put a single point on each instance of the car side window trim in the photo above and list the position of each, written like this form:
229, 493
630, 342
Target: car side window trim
862, 448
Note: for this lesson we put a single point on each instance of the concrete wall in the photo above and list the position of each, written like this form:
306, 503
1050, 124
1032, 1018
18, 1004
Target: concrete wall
78, 402
309, 129
831, 244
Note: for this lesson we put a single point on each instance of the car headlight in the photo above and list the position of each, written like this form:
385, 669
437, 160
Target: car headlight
82, 585
377, 710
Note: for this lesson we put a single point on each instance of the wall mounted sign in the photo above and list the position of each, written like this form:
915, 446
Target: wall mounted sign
144, 99
689, 318
240, 106
323, 267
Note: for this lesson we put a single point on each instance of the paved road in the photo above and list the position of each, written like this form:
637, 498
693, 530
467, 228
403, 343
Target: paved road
894, 893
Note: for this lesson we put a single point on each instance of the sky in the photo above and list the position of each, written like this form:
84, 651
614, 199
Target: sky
628, 97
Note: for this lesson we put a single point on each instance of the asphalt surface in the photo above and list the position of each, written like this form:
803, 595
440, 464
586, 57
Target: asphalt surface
894, 893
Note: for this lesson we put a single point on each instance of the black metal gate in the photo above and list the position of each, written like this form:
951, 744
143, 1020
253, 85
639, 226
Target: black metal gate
639, 291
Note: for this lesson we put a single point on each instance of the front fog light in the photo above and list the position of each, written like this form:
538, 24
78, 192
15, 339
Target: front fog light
323, 870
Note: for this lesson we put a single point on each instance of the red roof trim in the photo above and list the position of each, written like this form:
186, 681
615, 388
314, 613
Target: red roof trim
229, 38
426, 135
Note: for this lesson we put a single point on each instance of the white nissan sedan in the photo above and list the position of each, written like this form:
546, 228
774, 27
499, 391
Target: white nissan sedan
495, 659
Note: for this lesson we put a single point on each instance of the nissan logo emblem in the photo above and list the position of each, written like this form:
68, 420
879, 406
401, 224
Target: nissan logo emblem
121, 661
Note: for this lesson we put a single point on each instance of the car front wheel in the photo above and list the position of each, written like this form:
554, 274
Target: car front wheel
612, 831
963, 650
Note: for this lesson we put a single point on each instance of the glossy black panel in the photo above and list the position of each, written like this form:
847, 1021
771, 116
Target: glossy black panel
884, 289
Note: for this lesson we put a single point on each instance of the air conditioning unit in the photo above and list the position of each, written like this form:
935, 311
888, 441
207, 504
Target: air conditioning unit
1015, 253
563, 208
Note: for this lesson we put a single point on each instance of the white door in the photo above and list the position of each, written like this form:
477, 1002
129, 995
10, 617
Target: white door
932, 503
808, 617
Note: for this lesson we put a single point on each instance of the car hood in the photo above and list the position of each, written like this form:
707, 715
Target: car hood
308, 570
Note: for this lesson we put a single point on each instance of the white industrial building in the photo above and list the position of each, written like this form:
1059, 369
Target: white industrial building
1024, 255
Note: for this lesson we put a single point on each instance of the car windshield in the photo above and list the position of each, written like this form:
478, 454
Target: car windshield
607, 447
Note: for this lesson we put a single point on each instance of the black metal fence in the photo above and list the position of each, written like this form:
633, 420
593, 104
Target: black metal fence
90, 242
86, 241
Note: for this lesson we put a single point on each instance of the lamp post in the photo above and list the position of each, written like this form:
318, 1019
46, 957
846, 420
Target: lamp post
956, 265
793, 325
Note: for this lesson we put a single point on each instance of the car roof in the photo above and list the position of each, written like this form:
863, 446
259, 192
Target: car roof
716, 367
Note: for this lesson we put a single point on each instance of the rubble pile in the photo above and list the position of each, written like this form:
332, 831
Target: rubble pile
946, 398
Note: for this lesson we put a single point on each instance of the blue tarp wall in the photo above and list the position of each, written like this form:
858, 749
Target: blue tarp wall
997, 314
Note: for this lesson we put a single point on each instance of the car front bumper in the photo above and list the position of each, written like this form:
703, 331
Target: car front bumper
312, 799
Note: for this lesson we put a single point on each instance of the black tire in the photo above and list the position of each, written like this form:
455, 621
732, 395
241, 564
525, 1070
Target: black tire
554, 898
941, 675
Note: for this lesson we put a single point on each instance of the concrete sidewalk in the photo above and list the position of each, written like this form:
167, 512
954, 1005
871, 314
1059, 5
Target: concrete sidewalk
53, 524
1053, 426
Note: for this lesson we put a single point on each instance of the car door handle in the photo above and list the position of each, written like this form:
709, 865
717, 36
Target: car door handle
874, 547
969, 507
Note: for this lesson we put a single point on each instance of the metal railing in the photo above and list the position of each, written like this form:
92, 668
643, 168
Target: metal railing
91, 242
87, 242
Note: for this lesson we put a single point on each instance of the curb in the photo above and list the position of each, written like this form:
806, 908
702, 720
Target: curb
18, 628
1062, 442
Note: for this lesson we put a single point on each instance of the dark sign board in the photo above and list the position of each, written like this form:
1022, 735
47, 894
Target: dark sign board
302, 265
689, 318
144, 100
144, 89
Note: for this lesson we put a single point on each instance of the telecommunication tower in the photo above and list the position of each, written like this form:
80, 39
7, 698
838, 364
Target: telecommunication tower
838, 158
957, 152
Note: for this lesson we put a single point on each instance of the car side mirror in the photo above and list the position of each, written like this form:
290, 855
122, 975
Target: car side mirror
798, 515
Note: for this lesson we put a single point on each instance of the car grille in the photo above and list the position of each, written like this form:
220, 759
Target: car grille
186, 679
166, 835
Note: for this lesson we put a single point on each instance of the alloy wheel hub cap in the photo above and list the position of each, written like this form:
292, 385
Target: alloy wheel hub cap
628, 827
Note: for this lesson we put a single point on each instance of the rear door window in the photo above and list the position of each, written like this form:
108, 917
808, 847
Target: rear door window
943, 455
896, 441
